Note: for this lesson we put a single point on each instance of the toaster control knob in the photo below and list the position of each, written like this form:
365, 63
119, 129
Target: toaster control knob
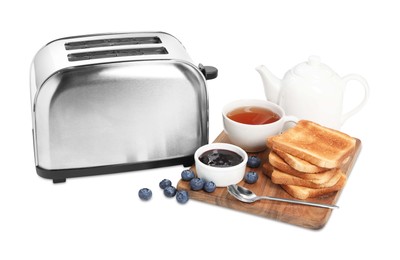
209, 72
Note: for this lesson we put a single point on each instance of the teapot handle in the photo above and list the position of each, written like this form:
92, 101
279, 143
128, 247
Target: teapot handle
364, 83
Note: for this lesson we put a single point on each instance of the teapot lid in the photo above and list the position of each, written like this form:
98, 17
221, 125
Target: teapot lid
313, 69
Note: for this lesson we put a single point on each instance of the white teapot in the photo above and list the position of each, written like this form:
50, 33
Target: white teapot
313, 91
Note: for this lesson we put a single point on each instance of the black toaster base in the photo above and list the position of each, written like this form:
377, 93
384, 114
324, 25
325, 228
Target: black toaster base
60, 176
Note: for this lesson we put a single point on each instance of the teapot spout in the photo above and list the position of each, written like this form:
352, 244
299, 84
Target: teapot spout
271, 83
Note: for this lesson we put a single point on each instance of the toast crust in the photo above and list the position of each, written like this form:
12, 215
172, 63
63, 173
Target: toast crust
279, 177
299, 164
305, 193
321, 146
267, 169
279, 164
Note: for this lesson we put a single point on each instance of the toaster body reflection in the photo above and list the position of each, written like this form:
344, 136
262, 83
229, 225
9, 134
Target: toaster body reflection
116, 102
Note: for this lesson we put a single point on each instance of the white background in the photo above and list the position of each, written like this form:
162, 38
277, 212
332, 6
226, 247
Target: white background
102, 218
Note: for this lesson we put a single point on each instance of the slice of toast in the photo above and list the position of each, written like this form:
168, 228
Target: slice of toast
267, 169
279, 164
279, 177
299, 164
319, 145
305, 193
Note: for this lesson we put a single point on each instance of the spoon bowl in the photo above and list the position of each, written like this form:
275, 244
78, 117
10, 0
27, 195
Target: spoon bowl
245, 195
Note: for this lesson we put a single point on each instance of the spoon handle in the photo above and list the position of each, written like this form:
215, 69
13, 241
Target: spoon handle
300, 202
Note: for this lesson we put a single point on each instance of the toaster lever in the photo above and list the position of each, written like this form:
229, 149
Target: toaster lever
209, 72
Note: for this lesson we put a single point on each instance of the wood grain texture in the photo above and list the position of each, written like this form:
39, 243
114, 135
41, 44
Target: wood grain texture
303, 216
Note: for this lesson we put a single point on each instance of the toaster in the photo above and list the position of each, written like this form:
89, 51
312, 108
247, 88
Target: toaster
119, 102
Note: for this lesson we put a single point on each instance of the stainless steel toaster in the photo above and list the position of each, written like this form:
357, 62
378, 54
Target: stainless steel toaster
116, 102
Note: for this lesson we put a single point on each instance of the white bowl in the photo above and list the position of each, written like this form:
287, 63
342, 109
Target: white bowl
221, 176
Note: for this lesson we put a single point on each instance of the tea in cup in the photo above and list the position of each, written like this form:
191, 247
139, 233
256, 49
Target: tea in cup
249, 122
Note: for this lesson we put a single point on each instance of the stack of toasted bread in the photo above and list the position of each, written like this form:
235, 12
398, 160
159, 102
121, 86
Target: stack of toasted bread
306, 160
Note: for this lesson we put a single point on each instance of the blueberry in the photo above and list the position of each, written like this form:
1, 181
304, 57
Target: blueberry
209, 186
187, 175
165, 183
145, 194
182, 196
197, 184
251, 177
253, 162
170, 191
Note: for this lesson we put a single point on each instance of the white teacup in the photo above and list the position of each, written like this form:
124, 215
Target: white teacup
252, 138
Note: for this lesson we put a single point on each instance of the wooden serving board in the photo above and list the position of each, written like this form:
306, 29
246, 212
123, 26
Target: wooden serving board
299, 215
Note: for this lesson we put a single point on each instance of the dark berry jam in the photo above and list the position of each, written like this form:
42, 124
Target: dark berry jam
220, 158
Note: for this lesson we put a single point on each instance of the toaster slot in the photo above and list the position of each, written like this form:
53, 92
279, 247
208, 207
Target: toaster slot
115, 53
111, 42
